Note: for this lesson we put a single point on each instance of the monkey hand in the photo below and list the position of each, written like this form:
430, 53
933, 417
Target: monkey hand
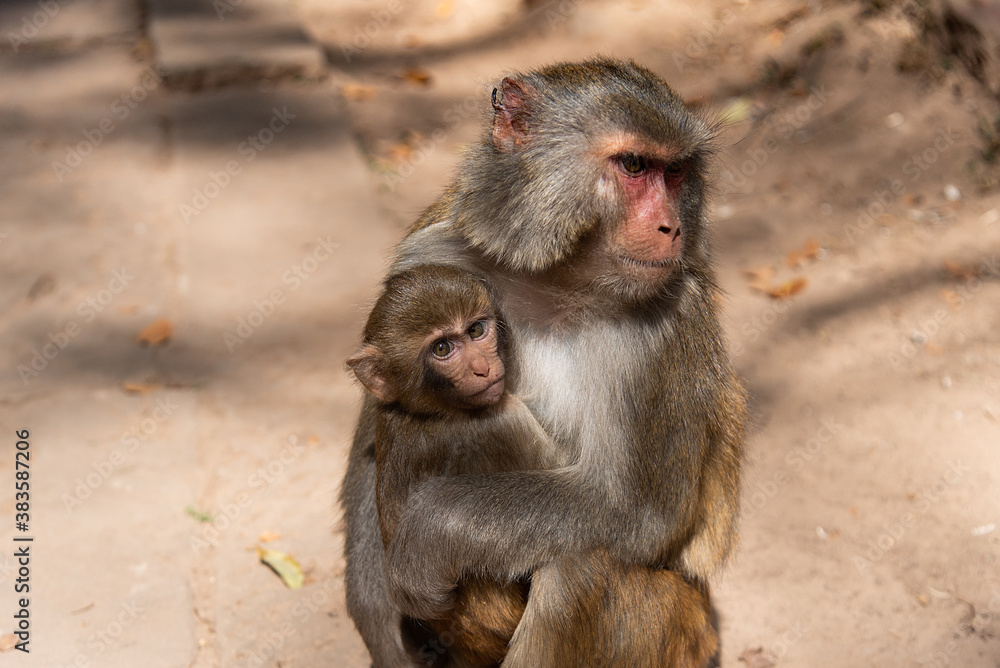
420, 576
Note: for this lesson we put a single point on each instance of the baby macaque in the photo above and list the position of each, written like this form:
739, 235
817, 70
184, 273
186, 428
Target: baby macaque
434, 354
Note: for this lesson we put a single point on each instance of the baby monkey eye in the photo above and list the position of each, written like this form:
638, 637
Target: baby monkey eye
441, 348
478, 330
632, 163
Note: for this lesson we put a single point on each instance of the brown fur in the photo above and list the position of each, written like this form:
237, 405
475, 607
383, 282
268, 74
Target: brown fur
621, 361
420, 433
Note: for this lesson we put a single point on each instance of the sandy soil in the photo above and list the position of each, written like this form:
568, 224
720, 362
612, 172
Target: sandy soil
860, 191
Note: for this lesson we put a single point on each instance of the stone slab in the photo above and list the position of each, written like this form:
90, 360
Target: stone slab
210, 43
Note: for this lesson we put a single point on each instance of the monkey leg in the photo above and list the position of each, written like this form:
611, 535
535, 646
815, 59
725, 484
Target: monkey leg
484, 618
595, 612
376, 616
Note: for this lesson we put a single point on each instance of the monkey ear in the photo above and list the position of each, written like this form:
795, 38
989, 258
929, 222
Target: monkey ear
367, 367
510, 118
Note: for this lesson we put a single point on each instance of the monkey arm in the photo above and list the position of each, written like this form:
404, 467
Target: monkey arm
508, 524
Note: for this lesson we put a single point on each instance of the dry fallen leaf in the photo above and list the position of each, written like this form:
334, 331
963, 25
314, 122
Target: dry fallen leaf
808, 252
788, 288
358, 92
268, 537
757, 657
284, 565
960, 272
156, 333
417, 76
760, 278
140, 388
400, 152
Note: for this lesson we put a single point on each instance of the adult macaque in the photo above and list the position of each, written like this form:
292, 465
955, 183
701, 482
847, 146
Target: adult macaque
584, 207
435, 356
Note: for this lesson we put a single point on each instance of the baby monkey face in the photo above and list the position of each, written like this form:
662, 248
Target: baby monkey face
465, 356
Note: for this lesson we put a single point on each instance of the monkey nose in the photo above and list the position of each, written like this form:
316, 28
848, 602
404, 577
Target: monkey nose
666, 229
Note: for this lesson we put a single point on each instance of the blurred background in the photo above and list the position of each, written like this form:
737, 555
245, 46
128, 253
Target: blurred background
198, 199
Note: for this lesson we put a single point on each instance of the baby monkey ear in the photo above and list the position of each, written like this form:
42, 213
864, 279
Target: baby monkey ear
368, 366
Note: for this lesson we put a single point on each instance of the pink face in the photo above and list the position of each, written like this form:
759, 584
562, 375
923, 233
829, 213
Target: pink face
466, 356
650, 239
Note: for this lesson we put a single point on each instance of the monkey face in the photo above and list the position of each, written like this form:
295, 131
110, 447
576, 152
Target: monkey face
595, 174
463, 364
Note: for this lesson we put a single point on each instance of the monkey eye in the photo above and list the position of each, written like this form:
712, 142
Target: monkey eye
675, 170
441, 348
477, 330
633, 164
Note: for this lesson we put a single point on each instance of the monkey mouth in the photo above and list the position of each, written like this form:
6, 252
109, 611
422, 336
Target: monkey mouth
491, 392
658, 266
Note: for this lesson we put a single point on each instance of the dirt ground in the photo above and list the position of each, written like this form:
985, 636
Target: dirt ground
857, 229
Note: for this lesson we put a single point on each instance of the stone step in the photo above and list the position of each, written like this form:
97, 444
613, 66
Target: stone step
212, 43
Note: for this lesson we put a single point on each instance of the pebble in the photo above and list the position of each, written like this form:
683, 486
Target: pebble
952, 193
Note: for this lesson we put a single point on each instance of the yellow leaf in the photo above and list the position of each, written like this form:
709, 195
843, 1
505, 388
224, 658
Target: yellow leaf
736, 110
417, 76
284, 565
788, 288
358, 92
156, 333
139, 388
